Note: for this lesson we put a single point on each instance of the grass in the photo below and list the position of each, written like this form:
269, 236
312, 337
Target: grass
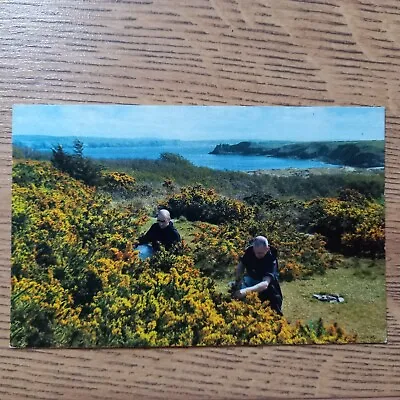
361, 283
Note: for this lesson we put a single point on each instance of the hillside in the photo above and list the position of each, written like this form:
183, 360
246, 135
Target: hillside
361, 154
77, 280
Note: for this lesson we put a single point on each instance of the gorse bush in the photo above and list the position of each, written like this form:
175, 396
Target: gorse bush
140, 306
300, 254
43, 314
77, 281
197, 203
218, 249
118, 183
62, 225
352, 224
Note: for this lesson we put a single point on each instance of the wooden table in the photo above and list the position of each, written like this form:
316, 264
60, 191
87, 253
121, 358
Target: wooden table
247, 52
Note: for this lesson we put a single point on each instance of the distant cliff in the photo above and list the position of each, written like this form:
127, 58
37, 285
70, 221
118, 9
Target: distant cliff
362, 154
243, 148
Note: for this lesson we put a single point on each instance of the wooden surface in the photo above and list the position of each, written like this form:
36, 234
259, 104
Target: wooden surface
247, 52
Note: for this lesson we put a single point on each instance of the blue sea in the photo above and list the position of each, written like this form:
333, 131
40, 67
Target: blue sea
197, 152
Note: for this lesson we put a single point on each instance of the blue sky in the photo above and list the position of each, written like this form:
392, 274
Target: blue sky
201, 122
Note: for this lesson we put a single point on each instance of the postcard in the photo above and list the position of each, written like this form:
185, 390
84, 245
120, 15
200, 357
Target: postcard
159, 226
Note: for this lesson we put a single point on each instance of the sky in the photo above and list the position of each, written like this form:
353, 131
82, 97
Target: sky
256, 123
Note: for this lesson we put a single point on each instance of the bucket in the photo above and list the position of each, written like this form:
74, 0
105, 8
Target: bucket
145, 251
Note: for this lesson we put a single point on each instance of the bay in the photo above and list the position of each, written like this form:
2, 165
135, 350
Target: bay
197, 152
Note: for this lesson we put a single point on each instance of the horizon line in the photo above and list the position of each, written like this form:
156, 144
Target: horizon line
192, 140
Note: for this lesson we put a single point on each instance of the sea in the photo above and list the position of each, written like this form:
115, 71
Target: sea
195, 151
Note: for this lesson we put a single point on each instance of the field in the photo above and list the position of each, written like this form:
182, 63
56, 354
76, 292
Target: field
363, 288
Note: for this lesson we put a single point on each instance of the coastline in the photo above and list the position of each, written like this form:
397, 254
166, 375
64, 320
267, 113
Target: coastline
307, 172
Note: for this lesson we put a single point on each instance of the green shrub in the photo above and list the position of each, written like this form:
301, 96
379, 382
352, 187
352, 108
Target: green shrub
197, 203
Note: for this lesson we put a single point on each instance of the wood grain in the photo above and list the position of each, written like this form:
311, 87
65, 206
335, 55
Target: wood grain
242, 52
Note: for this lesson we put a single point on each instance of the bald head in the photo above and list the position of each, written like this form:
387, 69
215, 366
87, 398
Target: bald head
260, 246
163, 218
260, 241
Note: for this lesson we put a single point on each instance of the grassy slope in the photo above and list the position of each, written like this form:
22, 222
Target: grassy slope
362, 286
